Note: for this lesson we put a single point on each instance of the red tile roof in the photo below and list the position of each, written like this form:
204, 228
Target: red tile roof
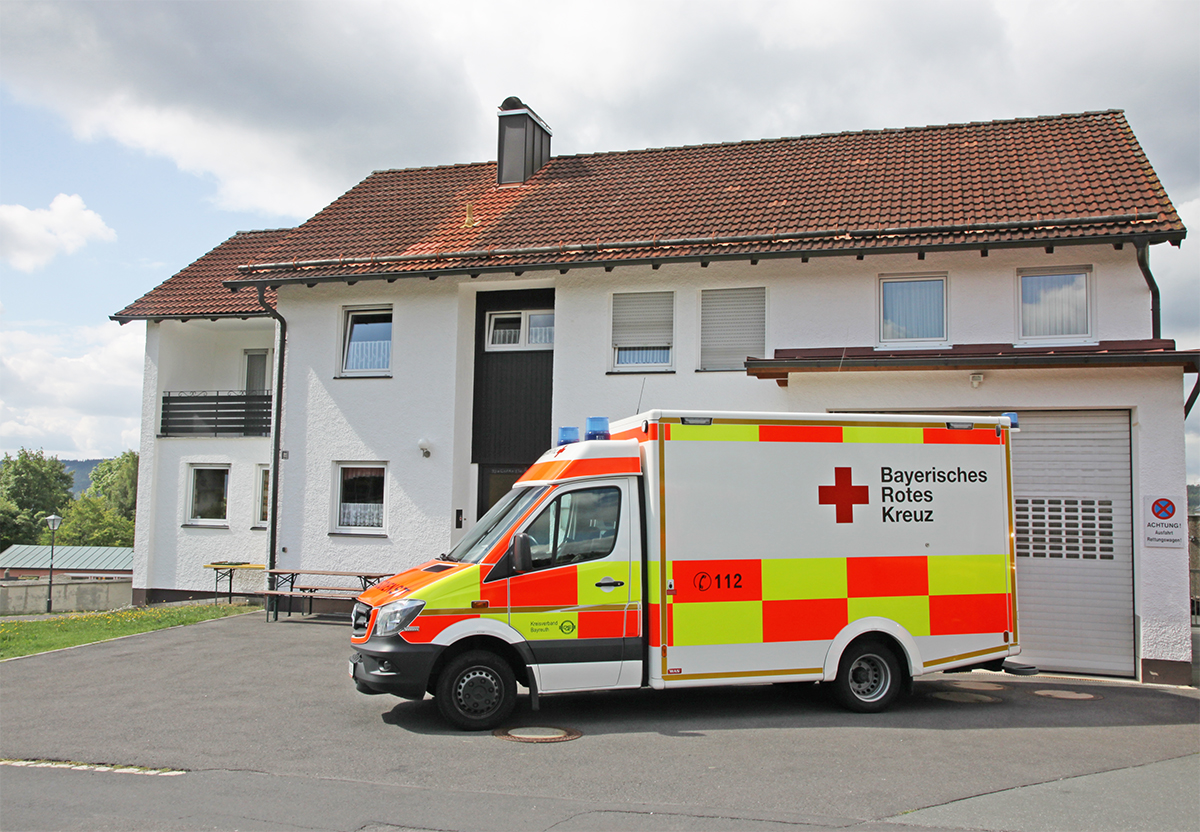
1041, 181
196, 292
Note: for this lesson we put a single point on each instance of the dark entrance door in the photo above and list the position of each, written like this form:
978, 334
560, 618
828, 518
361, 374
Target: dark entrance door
514, 370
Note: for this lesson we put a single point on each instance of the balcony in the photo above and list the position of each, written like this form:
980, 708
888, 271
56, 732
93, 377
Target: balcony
216, 413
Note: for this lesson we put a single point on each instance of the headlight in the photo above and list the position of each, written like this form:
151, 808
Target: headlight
394, 617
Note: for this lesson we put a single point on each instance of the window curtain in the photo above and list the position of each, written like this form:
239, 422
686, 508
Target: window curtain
914, 309
361, 502
1053, 305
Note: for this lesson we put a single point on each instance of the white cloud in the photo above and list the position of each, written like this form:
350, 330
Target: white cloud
75, 392
30, 239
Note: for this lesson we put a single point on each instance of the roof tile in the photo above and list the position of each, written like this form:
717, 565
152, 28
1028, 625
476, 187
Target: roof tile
1025, 181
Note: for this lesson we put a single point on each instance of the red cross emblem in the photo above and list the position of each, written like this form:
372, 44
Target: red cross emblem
843, 495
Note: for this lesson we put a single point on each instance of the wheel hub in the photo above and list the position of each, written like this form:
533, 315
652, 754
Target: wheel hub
869, 678
478, 691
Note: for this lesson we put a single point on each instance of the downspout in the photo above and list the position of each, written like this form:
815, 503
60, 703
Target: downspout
1143, 261
277, 433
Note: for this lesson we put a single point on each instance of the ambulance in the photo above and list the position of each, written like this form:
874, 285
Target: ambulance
715, 548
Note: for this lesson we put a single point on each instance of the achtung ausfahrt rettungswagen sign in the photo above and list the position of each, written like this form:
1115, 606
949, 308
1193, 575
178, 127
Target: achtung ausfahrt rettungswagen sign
1165, 523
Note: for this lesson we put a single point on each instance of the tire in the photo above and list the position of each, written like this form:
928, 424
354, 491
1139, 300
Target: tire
476, 691
869, 678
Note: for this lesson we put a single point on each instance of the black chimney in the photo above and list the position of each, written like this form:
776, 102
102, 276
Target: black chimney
524, 142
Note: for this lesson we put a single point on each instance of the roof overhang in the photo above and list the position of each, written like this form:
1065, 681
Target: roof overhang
1106, 354
227, 316
860, 243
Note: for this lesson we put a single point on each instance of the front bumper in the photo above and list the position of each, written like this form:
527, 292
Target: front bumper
404, 672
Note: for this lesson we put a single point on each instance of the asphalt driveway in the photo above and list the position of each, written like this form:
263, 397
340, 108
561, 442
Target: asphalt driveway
271, 734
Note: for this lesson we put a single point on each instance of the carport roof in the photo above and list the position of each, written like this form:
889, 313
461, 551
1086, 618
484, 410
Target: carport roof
99, 558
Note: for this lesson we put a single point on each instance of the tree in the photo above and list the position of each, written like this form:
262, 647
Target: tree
16, 524
36, 483
92, 521
116, 481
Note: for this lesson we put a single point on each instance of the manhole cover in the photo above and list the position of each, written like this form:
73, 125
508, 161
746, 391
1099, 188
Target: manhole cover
1066, 694
963, 696
979, 686
536, 733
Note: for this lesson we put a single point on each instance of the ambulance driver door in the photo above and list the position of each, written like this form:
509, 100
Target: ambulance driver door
571, 606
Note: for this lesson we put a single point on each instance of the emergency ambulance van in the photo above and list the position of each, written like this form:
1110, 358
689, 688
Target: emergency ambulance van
711, 548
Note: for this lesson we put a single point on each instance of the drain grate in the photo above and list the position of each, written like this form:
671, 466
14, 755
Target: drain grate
537, 733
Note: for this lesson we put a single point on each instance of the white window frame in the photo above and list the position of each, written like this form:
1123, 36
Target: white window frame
336, 509
1088, 294
262, 503
523, 338
758, 352
348, 315
918, 343
614, 355
193, 470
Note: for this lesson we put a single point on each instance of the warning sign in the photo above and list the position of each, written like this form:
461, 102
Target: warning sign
1164, 524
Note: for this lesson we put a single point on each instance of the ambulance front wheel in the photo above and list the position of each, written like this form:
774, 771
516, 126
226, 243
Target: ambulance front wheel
869, 677
476, 691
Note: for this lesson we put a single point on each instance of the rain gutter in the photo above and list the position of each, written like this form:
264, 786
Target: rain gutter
660, 242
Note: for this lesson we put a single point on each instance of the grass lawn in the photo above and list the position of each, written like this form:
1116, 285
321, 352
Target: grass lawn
24, 638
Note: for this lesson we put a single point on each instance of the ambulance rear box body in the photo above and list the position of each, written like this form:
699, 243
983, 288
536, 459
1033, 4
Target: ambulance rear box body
695, 549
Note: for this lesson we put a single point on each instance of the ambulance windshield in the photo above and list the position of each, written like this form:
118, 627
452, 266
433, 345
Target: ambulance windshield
492, 526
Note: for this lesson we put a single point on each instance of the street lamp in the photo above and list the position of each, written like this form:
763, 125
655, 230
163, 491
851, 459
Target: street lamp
53, 521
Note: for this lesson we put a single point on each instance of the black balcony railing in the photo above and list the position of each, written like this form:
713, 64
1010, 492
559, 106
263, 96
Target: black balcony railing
216, 413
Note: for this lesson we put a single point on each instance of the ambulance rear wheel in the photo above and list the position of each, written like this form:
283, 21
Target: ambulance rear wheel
869, 677
476, 691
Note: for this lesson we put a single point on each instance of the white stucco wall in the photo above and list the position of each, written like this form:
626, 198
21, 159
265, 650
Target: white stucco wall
330, 419
169, 553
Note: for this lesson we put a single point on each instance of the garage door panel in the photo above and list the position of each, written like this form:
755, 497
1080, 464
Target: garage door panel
1071, 484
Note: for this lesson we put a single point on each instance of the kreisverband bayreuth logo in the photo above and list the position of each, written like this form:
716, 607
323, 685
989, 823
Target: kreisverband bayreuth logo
843, 495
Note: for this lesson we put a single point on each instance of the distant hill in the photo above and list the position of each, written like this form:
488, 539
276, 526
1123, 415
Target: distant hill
1193, 499
81, 470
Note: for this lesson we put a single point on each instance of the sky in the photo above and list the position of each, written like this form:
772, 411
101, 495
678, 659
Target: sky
136, 136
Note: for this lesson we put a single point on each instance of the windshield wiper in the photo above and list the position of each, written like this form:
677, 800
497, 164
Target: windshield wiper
444, 556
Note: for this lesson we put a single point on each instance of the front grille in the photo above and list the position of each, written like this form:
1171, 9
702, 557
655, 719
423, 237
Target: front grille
359, 617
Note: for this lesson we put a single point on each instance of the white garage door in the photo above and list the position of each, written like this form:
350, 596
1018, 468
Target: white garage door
1071, 473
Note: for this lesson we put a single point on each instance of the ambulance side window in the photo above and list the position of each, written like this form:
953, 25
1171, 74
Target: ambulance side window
577, 526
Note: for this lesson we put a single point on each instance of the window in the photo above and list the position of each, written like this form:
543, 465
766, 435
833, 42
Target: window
912, 309
262, 513
360, 497
643, 326
525, 330
733, 326
578, 526
256, 371
368, 343
1054, 305
210, 490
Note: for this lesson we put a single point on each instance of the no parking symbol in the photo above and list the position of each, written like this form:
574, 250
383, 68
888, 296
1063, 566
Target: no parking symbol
1162, 526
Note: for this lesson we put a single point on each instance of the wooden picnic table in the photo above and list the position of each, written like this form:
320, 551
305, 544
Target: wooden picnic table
224, 569
286, 586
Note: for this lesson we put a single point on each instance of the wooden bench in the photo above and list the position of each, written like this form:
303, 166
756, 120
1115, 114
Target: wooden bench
285, 586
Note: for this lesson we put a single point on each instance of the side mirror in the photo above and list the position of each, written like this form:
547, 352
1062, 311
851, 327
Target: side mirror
522, 556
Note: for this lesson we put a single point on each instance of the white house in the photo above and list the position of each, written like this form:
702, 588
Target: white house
394, 363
